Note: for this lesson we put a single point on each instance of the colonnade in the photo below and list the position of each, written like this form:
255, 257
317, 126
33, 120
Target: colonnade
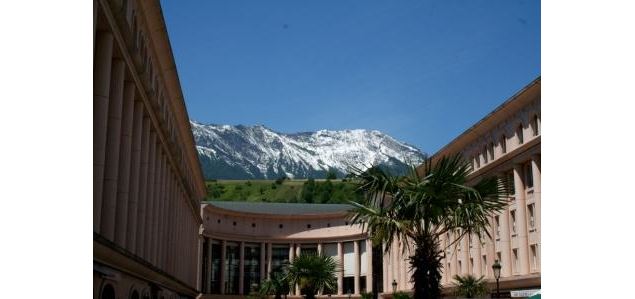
142, 202
295, 249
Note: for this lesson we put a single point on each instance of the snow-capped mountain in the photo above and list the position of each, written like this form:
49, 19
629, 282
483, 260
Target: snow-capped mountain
256, 152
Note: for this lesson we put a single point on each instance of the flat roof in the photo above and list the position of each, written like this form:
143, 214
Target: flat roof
276, 208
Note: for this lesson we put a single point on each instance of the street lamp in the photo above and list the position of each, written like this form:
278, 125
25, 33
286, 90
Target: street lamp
394, 286
496, 267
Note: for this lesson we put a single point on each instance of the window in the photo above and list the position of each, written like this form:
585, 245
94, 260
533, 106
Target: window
484, 266
534, 258
529, 176
251, 266
498, 226
530, 212
519, 134
484, 155
232, 258
513, 216
515, 253
503, 143
215, 277
460, 270
477, 159
498, 256
491, 151
534, 126
348, 285
472, 265
511, 183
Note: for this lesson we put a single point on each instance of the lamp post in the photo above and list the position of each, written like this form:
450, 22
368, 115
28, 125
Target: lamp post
394, 286
496, 267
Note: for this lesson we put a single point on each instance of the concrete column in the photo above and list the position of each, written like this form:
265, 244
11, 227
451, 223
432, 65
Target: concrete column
135, 168
223, 253
263, 261
369, 265
143, 184
291, 257
241, 269
319, 248
298, 251
535, 169
387, 271
504, 244
466, 255
395, 264
125, 149
101, 92
162, 219
111, 166
269, 259
454, 267
521, 221
208, 267
154, 205
356, 264
479, 256
340, 274
152, 163
199, 273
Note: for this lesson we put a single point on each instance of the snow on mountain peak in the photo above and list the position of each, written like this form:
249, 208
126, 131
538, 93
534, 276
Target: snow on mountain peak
257, 152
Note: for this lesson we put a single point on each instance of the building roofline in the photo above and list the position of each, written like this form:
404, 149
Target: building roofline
487, 117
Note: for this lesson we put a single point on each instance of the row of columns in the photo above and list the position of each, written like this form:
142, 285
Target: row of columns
295, 249
504, 244
138, 202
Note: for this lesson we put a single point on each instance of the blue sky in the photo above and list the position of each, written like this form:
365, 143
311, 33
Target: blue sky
421, 71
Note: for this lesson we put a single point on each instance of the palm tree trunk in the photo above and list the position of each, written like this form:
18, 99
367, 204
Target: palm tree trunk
426, 263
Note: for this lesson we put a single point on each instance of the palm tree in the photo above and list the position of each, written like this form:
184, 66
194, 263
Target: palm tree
312, 273
276, 285
421, 206
469, 286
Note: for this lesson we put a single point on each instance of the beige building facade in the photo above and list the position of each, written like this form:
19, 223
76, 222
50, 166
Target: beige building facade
147, 182
245, 242
505, 143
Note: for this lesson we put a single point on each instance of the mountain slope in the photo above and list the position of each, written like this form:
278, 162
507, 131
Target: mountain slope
256, 152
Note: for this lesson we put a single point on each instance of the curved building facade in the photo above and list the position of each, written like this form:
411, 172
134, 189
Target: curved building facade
245, 242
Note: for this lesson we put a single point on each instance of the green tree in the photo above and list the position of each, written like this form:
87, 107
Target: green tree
308, 190
276, 285
469, 286
312, 273
331, 175
420, 207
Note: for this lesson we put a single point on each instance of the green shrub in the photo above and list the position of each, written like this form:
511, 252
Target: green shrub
367, 295
401, 295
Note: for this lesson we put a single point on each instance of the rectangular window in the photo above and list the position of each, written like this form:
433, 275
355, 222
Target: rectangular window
511, 183
348, 285
515, 253
534, 258
251, 266
460, 270
529, 176
363, 258
491, 151
349, 259
232, 259
503, 143
513, 219
530, 212
216, 257
534, 125
484, 266
519, 134
472, 266
362, 284
484, 156
279, 257
330, 249
498, 226
478, 161
498, 256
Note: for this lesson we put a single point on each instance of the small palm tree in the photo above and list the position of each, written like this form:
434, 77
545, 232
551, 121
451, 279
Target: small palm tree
469, 286
420, 207
276, 285
312, 273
